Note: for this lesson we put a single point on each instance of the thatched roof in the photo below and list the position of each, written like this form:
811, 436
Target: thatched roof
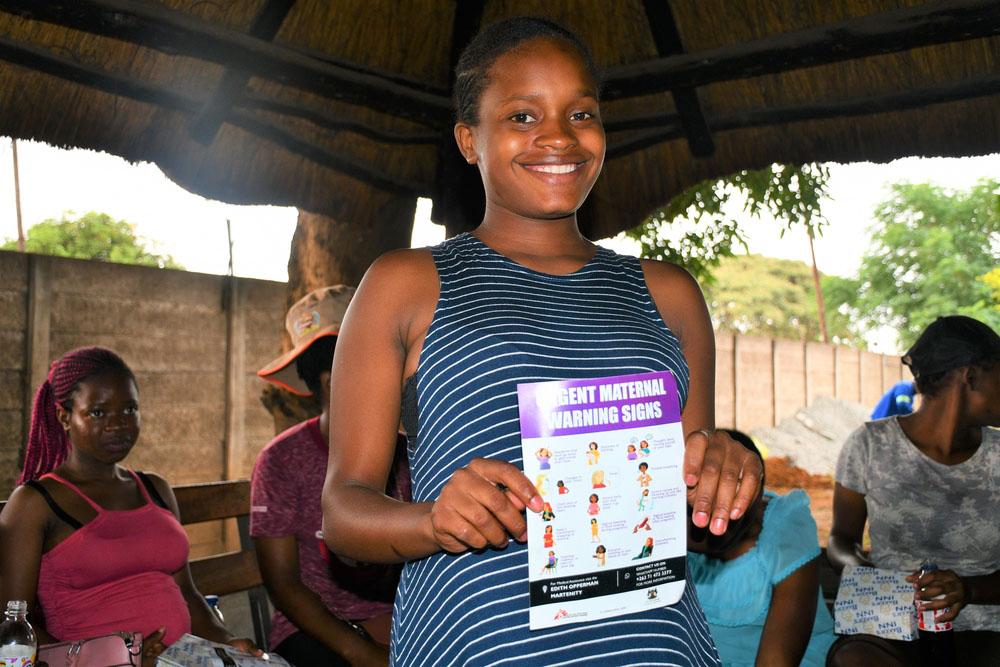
340, 95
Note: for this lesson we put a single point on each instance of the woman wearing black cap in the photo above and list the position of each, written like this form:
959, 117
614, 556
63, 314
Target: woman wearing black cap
928, 484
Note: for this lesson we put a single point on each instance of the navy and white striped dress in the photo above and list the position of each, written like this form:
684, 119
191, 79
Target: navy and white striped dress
496, 324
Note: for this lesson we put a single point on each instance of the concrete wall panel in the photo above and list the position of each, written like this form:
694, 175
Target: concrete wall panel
13, 308
789, 374
848, 381
820, 371
116, 281
892, 371
10, 449
11, 390
725, 380
13, 271
163, 354
871, 378
754, 388
11, 350
90, 314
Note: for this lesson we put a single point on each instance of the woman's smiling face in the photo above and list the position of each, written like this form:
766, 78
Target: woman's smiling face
539, 143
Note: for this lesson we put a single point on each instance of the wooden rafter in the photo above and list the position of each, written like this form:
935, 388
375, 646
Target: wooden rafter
264, 26
668, 127
157, 27
668, 42
44, 61
330, 120
26, 55
888, 32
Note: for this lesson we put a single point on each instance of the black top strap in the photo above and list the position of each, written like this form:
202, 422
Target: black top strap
53, 505
151, 488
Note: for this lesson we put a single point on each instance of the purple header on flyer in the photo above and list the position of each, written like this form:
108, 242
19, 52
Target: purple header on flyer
593, 405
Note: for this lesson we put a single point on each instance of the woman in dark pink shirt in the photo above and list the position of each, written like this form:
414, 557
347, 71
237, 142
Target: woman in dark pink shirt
99, 548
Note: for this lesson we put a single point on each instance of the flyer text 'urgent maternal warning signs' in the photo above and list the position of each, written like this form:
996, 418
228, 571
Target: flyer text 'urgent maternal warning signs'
605, 455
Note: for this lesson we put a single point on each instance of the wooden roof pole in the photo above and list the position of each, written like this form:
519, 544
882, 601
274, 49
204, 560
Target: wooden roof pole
17, 196
116, 84
668, 42
157, 27
459, 200
264, 26
668, 127
888, 32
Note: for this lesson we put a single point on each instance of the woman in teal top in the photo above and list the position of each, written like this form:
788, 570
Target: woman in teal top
759, 585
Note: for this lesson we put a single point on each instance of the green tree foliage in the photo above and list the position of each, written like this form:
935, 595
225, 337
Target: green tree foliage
693, 229
763, 296
91, 236
933, 252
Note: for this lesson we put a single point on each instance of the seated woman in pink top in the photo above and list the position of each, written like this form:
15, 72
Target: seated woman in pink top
93, 547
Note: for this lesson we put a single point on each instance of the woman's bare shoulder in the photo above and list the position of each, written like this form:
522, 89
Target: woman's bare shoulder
400, 279
25, 506
677, 296
398, 264
666, 275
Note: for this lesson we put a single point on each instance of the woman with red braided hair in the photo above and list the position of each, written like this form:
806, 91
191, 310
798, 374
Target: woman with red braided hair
94, 547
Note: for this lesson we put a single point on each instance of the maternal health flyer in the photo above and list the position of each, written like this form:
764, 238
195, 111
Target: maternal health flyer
606, 455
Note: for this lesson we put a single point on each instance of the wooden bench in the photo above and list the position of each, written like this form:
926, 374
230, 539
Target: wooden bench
232, 571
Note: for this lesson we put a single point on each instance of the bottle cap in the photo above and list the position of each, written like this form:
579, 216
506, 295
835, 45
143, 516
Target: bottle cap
17, 606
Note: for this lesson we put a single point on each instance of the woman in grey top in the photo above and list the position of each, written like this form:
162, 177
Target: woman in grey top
928, 485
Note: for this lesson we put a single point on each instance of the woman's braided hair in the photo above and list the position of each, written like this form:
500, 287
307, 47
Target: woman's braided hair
493, 41
48, 443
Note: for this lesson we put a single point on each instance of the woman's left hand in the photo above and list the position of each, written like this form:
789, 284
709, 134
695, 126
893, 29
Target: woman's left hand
940, 582
722, 476
245, 645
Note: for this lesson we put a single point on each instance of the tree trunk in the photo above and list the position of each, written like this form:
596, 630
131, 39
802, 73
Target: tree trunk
331, 251
820, 305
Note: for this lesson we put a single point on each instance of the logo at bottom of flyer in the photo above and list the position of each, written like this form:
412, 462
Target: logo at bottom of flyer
562, 613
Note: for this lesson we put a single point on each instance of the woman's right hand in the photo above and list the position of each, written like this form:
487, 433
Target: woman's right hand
481, 506
152, 647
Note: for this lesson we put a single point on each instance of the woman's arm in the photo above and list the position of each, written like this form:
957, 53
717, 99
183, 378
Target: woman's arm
849, 516
790, 619
377, 347
723, 478
22, 523
279, 566
204, 623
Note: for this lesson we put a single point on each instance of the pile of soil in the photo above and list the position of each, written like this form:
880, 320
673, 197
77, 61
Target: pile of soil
780, 473
811, 439
782, 477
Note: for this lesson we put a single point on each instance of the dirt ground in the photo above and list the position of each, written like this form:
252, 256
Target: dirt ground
782, 477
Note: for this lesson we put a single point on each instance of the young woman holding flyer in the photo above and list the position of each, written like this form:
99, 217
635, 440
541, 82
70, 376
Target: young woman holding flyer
524, 298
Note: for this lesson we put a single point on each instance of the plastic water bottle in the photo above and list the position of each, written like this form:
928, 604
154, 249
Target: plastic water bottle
18, 645
213, 604
937, 640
